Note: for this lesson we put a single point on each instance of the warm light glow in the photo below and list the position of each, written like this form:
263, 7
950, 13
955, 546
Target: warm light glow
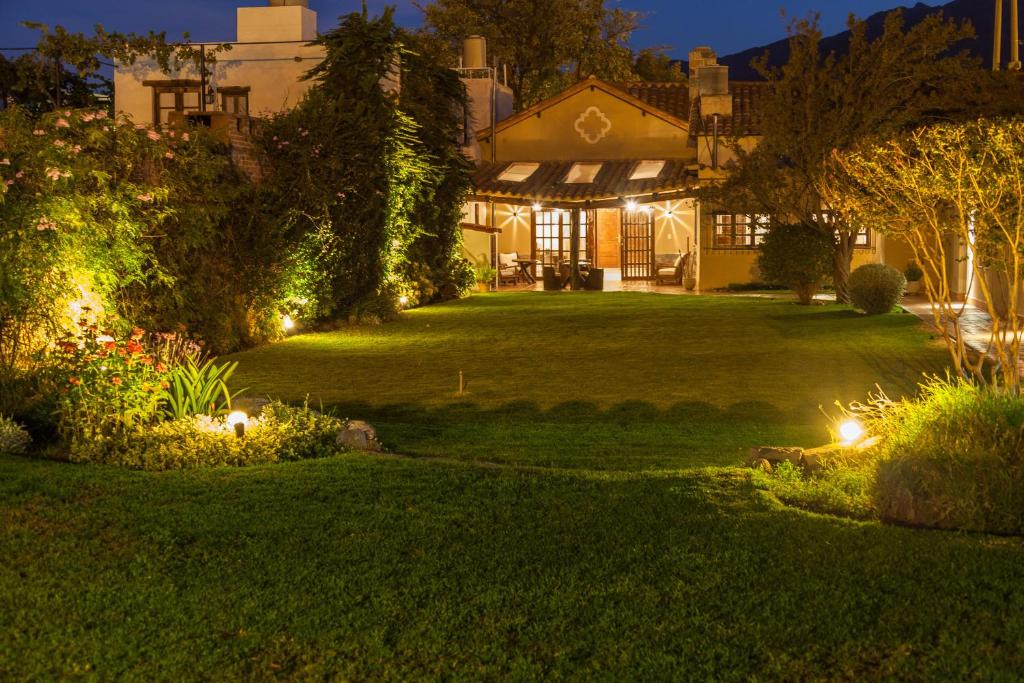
403, 300
515, 212
237, 417
537, 206
670, 213
287, 323
630, 205
851, 431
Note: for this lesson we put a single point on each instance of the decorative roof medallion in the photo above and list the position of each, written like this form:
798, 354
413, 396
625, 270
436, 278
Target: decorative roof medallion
592, 125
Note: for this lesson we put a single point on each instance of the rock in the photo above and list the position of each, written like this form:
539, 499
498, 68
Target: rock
763, 465
359, 436
250, 405
776, 455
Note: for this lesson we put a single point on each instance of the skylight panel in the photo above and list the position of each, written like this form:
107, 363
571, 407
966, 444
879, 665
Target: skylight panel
647, 169
583, 172
518, 172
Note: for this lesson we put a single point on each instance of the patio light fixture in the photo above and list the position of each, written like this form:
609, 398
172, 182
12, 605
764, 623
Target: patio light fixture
238, 420
537, 206
630, 205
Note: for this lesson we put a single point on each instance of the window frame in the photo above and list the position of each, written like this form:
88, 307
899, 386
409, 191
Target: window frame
755, 226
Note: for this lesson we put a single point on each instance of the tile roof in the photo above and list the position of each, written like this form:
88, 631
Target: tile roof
747, 97
611, 182
671, 98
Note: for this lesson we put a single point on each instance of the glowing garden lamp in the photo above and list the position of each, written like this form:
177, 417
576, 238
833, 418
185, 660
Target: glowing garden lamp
287, 323
851, 431
237, 419
403, 300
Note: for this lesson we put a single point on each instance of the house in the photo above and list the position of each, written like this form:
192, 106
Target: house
626, 161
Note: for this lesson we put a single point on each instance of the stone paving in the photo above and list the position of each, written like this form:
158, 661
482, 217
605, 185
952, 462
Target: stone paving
975, 324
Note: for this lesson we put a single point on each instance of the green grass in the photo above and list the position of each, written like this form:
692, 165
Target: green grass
593, 565
619, 381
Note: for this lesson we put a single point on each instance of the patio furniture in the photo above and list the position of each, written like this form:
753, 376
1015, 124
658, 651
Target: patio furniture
595, 280
508, 269
524, 268
552, 282
672, 275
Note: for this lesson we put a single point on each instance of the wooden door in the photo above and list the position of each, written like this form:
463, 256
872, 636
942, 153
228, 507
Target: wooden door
609, 247
637, 245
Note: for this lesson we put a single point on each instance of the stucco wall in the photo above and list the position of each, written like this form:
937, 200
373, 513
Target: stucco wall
552, 134
674, 224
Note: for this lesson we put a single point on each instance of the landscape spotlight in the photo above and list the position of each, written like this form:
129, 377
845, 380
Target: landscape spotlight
403, 300
287, 323
238, 420
851, 431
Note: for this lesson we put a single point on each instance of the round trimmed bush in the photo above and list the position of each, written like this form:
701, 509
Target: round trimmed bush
14, 440
798, 257
875, 288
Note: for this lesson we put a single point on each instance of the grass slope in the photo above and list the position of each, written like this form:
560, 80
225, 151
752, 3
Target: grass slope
620, 381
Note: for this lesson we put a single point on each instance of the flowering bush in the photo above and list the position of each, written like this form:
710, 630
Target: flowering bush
279, 433
112, 385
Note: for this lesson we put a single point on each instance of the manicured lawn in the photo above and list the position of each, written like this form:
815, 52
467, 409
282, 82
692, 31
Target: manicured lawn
621, 381
633, 552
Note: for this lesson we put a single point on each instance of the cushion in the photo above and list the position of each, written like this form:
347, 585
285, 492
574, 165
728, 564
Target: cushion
670, 272
508, 259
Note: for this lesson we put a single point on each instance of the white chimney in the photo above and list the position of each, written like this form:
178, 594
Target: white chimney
710, 81
280, 21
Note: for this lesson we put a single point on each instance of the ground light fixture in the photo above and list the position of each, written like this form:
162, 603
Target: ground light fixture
287, 324
851, 431
238, 419
403, 300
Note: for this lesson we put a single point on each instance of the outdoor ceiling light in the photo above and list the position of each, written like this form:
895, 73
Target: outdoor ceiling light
630, 205
537, 206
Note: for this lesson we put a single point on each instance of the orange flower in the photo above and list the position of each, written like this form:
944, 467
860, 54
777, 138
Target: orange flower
164, 385
160, 367
146, 360
67, 346
134, 346
74, 380
137, 332
115, 380
109, 346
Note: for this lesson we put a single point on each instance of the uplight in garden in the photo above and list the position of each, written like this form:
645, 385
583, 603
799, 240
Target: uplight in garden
238, 421
287, 323
851, 431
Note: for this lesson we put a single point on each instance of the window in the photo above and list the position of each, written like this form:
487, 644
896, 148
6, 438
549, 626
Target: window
647, 169
582, 173
517, 173
173, 96
863, 238
740, 231
234, 100
551, 236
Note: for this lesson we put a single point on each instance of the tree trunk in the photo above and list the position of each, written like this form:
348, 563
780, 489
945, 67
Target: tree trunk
842, 259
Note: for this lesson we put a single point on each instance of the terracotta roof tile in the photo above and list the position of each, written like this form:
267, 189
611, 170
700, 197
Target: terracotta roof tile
612, 181
747, 97
671, 98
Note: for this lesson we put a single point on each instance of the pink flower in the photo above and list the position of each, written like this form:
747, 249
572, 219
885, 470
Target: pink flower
184, 136
5, 162
67, 112
8, 183
37, 131
53, 174
45, 223
152, 135
171, 134
62, 123
101, 114
88, 117
58, 143
19, 174
169, 155
76, 149
144, 197
106, 129
139, 126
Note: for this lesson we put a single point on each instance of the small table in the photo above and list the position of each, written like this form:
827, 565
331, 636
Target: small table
524, 268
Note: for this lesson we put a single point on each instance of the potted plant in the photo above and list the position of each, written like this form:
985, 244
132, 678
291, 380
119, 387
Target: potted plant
914, 274
690, 271
484, 274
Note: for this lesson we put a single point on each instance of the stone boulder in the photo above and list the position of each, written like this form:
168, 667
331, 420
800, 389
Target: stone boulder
250, 405
775, 455
359, 436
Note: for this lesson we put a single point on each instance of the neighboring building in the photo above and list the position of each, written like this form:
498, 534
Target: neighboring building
628, 158
260, 75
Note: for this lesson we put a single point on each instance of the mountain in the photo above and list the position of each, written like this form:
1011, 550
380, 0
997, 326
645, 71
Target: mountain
979, 12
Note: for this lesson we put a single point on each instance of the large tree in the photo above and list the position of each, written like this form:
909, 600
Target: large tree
545, 44
817, 103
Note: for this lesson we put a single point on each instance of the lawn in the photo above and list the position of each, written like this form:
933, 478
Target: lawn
609, 557
619, 381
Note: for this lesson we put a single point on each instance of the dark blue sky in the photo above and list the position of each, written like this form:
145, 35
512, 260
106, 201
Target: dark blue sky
726, 25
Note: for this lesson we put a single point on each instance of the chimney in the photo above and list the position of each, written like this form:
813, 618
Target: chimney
279, 20
289, 3
474, 52
710, 80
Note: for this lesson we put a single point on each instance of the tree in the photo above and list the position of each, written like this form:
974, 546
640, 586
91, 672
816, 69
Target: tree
942, 187
654, 66
546, 44
817, 103
798, 257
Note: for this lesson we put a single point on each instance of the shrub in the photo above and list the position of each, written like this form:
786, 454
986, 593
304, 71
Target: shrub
279, 433
953, 458
796, 256
875, 288
14, 440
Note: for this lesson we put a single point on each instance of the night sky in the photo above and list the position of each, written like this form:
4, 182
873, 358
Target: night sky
726, 25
